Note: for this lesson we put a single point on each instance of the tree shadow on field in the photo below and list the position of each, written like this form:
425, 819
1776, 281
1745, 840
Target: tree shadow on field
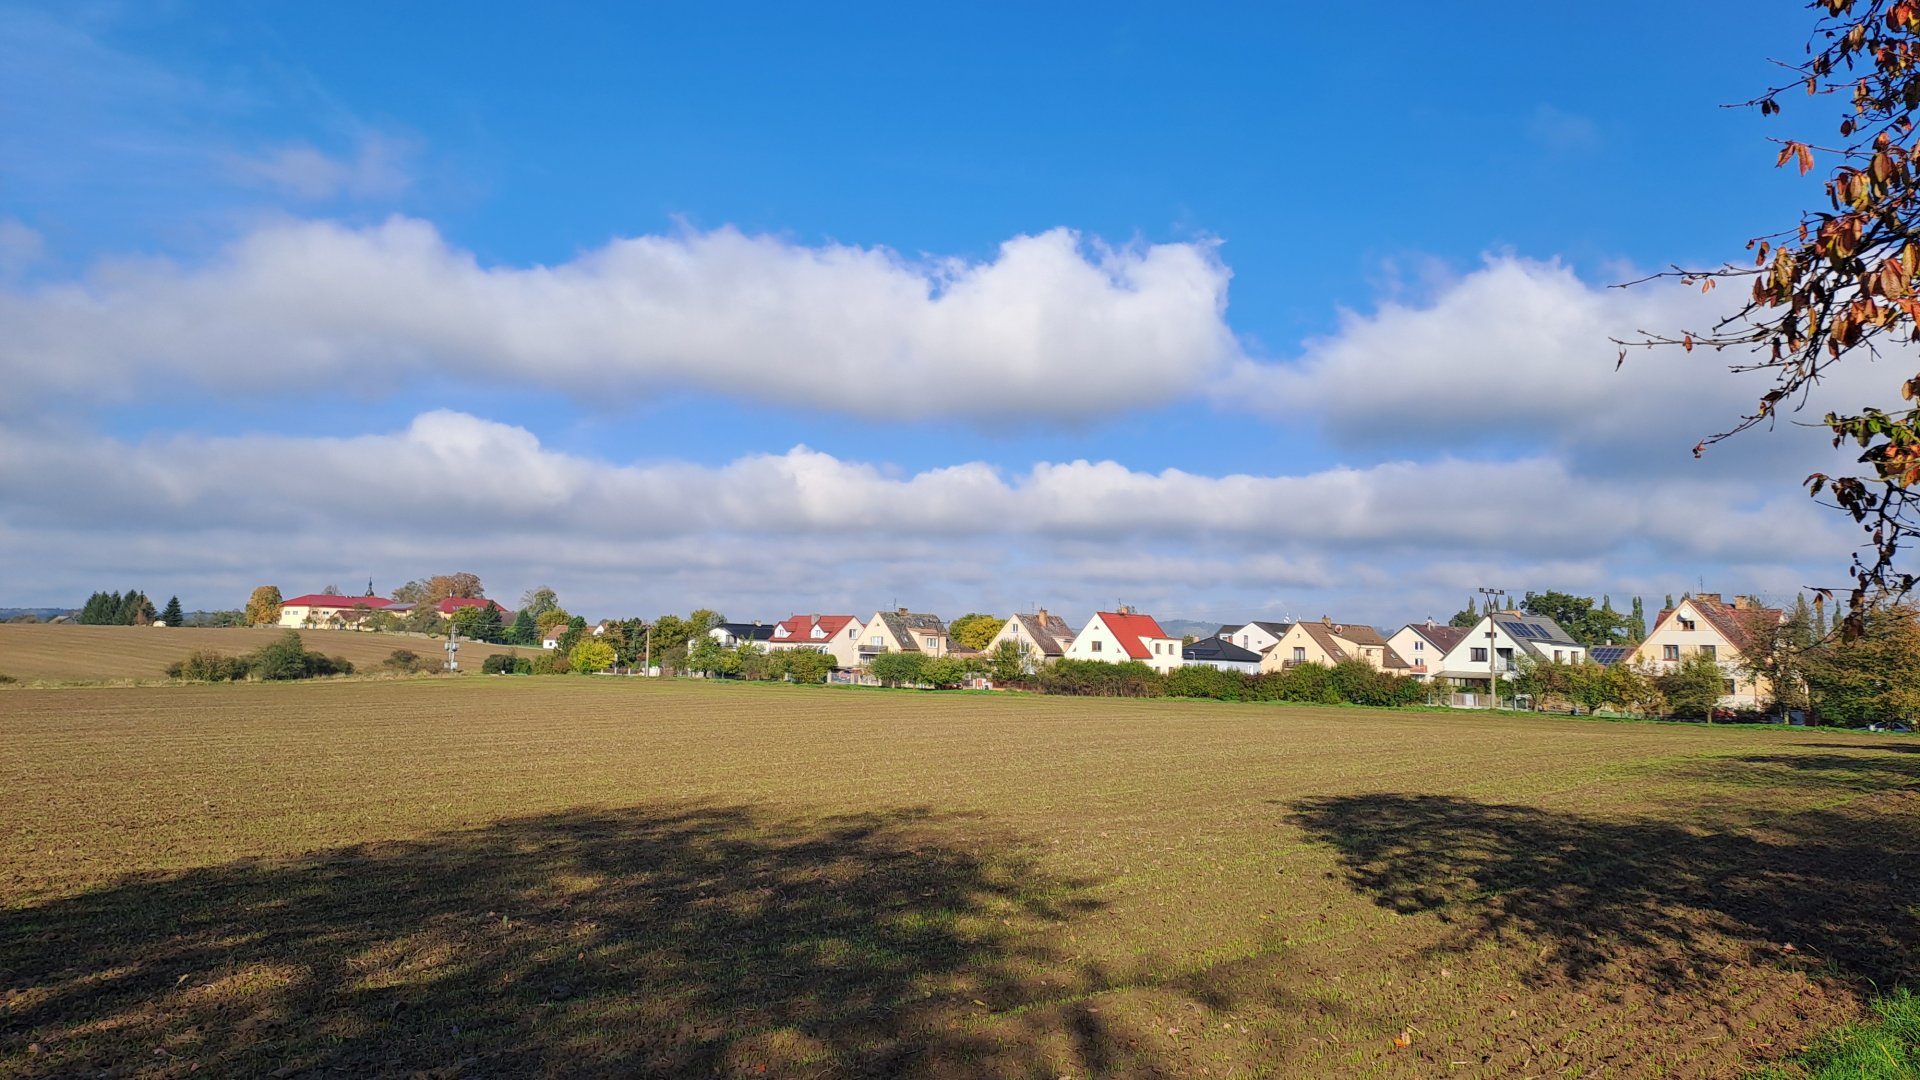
1667, 902
662, 941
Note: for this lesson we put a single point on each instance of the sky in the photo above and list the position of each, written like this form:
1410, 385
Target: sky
1222, 311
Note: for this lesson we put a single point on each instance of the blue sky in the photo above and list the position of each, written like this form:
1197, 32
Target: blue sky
1319, 299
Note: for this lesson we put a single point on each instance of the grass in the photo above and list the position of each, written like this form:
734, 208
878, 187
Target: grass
495, 877
1885, 1048
67, 653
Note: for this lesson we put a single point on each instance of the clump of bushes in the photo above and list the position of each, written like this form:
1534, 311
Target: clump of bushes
285, 659
506, 664
1351, 682
404, 661
548, 663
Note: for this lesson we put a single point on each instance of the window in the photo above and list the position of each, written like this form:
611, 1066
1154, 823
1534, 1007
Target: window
1686, 624
878, 640
1299, 654
1479, 656
1711, 652
1095, 647
1419, 646
1556, 656
1728, 685
1669, 652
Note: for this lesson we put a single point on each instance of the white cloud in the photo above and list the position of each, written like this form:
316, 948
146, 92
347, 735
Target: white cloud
376, 169
1050, 327
20, 247
819, 527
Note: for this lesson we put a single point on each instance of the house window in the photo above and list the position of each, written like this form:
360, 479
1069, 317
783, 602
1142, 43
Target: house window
1669, 652
1728, 684
1556, 656
1419, 646
1095, 647
1686, 624
1299, 654
1711, 652
877, 640
1479, 656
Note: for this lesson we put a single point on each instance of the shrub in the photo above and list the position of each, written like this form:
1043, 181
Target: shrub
506, 664
800, 665
404, 660
204, 665
590, 654
1200, 681
1094, 678
550, 663
899, 669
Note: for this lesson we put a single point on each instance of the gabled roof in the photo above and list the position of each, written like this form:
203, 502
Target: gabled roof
1131, 629
1534, 633
1440, 635
799, 629
1049, 631
1217, 648
742, 631
1726, 619
1277, 629
331, 600
454, 603
1329, 635
903, 624
1609, 655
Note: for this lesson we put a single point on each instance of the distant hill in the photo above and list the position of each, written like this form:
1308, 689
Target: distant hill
1182, 627
41, 613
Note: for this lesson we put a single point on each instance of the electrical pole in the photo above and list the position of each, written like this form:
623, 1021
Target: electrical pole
1493, 673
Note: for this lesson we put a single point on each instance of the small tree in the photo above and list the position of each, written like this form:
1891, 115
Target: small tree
263, 607
708, 656
975, 631
802, 665
172, 615
1694, 687
1010, 661
524, 630
898, 669
590, 654
1875, 676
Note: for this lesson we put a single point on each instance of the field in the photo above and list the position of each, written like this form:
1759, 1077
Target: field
502, 877
64, 652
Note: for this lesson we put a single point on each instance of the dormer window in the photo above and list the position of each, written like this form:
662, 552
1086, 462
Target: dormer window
1686, 624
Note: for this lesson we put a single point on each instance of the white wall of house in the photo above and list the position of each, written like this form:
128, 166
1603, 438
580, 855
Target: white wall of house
1097, 641
1463, 661
843, 645
1252, 636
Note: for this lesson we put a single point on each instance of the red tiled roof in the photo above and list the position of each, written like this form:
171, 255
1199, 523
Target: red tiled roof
330, 600
799, 629
1130, 629
454, 603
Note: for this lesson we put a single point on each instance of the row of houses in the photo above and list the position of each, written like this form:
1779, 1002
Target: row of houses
328, 611
1475, 657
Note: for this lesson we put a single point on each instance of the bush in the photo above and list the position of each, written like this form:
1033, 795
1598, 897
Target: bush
550, 663
590, 654
1200, 681
899, 668
204, 665
1093, 678
506, 664
800, 665
405, 661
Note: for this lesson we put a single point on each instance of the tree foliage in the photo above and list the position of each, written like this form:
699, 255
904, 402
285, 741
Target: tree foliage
1842, 282
1466, 618
590, 654
284, 658
974, 630
1583, 621
172, 615
1694, 687
538, 601
1873, 677
480, 623
263, 607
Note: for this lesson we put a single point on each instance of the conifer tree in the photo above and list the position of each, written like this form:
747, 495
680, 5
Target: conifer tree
1637, 623
173, 616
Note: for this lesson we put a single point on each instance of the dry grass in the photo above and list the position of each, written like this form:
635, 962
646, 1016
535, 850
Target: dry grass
66, 653
591, 876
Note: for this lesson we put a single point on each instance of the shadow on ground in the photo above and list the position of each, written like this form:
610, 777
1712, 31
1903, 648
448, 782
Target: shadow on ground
1655, 902
666, 941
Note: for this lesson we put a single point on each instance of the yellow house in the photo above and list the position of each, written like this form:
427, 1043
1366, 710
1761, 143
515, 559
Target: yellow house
1328, 643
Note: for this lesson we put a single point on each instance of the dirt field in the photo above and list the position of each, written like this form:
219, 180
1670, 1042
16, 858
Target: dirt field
64, 652
494, 877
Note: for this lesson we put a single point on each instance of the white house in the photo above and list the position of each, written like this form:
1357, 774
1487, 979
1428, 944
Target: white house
1255, 636
1706, 624
1116, 637
1218, 652
1492, 648
731, 634
836, 635
1424, 645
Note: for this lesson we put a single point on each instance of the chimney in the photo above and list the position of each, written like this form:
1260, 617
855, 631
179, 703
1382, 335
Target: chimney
1326, 620
900, 611
1041, 615
1429, 622
1708, 597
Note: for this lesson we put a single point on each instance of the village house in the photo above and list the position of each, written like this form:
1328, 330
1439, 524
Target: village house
1218, 652
836, 635
1255, 637
1706, 624
1116, 637
730, 635
1042, 636
1493, 647
328, 611
1424, 645
1328, 643
901, 630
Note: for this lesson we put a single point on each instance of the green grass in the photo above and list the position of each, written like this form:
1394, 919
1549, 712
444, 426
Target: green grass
1886, 1048
630, 877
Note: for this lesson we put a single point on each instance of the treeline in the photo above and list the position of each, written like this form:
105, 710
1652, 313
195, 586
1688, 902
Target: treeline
131, 608
1350, 682
281, 660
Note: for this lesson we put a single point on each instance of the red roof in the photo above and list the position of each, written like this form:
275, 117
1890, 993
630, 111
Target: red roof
1130, 629
799, 629
330, 600
454, 603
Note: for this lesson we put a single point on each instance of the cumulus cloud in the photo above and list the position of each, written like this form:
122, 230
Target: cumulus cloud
1053, 326
377, 168
815, 523
20, 247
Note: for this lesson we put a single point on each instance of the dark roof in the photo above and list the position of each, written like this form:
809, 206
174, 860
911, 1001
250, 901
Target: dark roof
1049, 631
1609, 655
1218, 649
742, 631
1443, 636
1277, 629
1535, 633
902, 624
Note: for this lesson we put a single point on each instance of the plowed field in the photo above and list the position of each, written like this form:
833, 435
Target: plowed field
572, 876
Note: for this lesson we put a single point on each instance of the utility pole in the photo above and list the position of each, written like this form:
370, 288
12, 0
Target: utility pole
647, 670
1493, 673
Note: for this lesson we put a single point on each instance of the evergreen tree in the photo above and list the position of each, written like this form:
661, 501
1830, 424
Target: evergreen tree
1637, 623
1468, 616
129, 612
173, 616
1669, 606
523, 631
97, 610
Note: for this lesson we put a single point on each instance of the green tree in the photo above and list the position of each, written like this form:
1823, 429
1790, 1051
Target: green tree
523, 631
1637, 622
1578, 616
1467, 617
479, 623
548, 619
709, 657
974, 630
1009, 662
590, 654
539, 601
801, 665
1694, 687
263, 607
1872, 677
899, 669
1774, 652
